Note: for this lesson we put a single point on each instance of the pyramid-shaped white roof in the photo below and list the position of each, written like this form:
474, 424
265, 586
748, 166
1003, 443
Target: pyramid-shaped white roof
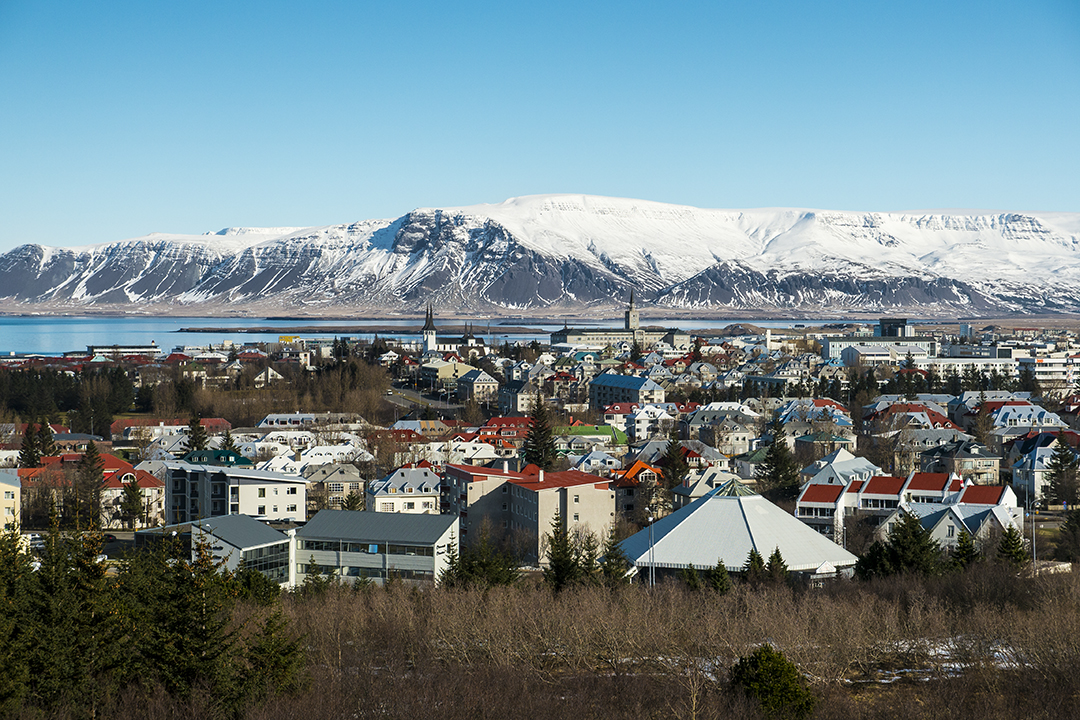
726, 524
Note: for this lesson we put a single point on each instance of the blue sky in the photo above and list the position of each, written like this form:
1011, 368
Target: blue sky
119, 119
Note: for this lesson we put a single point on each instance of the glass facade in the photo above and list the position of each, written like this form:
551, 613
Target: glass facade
272, 561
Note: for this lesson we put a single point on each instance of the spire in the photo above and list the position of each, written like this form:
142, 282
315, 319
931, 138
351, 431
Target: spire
429, 321
631, 298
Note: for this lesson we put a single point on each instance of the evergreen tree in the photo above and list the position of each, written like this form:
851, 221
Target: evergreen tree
1026, 381
909, 548
483, 564
353, 501
778, 473
718, 578
1011, 549
29, 452
673, 464
1068, 541
777, 568
588, 554
86, 489
228, 442
614, 565
966, 552
754, 569
16, 637
775, 682
690, 578
1063, 475
45, 441
563, 569
197, 438
539, 446
131, 504
274, 659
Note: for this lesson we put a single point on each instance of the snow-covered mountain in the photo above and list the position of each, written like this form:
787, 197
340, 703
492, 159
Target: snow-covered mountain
568, 251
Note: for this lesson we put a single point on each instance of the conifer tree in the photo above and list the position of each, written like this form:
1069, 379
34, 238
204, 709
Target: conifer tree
562, 569
775, 682
777, 568
131, 504
690, 578
718, 578
966, 552
539, 446
778, 473
197, 438
1011, 549
45, 441
85, 512
614, 565
1068, 541
228, 442
1063, 475
29, 452
353, 501
754, 569
674, 465
909, 548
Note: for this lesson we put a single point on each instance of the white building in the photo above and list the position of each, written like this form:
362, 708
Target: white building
193, 492
413, 490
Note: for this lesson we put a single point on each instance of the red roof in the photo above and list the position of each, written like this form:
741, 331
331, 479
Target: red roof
855, 486
982, 494
884, 485
935, 482
822, 493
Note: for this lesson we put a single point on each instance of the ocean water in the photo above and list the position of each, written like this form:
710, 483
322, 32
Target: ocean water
55, 335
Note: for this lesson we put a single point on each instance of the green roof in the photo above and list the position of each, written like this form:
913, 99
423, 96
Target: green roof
612, 432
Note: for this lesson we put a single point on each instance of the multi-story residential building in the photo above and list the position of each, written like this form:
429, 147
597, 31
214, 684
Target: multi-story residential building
965, 458
10, 499
609, 388
193, 492
525, 504
412, 490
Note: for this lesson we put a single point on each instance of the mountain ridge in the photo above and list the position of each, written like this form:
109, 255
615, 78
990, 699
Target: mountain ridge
579, 251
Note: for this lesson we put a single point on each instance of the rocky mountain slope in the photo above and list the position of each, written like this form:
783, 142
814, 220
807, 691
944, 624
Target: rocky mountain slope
573, 251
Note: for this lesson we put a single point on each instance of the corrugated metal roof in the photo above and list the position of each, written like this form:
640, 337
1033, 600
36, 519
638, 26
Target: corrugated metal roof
373, 526
242, 531
727, 527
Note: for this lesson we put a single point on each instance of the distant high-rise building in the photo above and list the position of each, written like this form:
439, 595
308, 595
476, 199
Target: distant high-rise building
894, 327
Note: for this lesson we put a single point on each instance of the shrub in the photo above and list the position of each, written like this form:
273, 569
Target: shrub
774, 681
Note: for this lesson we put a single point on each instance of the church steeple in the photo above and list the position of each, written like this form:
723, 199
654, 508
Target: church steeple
633, 322
429, 321
429, 332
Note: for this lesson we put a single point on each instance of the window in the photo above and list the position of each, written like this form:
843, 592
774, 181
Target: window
262, 492
290, 491
386, 507
576, 517
410, 506
261, 510
577, 498
275, 491
275, 508
337, 487
429, 505
9, 494
354, 487
951, 531
290, 508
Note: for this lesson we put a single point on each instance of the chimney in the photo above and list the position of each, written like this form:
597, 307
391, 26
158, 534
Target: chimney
506, 465
541, 475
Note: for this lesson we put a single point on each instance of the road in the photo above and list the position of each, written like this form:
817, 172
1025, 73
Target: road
407, 398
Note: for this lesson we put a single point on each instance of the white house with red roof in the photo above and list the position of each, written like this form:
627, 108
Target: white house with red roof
826, 506
984, 511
